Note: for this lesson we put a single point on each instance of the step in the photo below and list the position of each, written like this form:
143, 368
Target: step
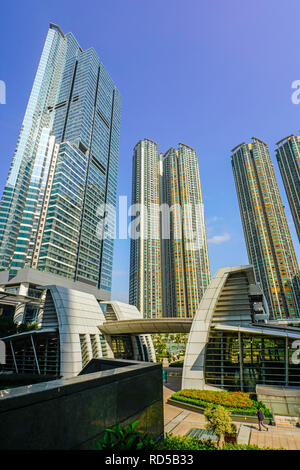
243, 436
286, 420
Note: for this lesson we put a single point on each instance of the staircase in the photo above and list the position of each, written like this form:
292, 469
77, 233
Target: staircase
286, 421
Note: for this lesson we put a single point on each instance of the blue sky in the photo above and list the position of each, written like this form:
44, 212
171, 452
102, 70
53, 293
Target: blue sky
209, 73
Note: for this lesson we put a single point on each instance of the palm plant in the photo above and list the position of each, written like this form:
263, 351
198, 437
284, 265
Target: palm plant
126, 438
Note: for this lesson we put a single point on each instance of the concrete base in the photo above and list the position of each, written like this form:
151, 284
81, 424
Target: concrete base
74, 413
283, 401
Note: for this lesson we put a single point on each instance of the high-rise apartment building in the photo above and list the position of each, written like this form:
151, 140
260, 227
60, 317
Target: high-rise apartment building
64, 167
186, 266
169, 267
268, 240
288, 157
145, 291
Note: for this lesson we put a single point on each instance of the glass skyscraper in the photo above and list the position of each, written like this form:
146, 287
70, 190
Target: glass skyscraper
169, 267
268, 240
64, 167
288, 157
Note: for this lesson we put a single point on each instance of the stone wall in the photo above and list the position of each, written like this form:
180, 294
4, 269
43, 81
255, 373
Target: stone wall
73, 413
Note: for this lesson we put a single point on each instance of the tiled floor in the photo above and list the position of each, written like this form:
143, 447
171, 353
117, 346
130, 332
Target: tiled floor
277, 438
180, 421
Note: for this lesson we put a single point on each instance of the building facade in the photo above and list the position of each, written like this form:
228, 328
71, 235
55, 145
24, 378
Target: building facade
69, 332
288, 158
145, 291
232, 344
65, 166
186, 265
169, 267
268, 240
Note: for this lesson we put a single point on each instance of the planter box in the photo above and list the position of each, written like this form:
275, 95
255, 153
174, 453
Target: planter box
231, 438
173, 371
234, 417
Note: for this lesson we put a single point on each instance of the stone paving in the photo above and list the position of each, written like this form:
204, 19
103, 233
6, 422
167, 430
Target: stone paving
180, 421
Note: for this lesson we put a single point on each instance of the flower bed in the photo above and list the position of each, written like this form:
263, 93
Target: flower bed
239, 403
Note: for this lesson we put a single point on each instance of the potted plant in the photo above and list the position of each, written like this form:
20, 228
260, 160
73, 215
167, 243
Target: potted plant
231, 437
218, 421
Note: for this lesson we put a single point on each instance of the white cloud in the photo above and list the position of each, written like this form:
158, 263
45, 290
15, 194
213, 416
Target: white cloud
213, 219
218, 239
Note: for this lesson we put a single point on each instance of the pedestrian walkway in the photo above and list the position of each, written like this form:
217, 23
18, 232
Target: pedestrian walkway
176, 421
276, 437
179, 422
244, 434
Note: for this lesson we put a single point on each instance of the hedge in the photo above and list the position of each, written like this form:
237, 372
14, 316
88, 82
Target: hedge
172, 442
227, 446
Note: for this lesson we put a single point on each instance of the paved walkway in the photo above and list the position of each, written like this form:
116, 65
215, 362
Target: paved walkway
180, 421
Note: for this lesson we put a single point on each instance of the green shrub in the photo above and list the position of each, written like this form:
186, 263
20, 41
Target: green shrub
9, 327
184, 443
229, 446
27, 327
172, 442
219, 421
126, 438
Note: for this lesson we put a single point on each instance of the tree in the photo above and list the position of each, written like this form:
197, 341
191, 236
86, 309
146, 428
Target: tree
27, 327
7, 326
219, 421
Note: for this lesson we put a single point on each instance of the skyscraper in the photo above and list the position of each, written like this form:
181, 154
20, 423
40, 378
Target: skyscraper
65, 165
268, 240
145, 291
169, 267
288, 157
186, 266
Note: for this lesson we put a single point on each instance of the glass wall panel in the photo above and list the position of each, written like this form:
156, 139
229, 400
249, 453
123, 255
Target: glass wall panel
263, 361
122, 347
294, 369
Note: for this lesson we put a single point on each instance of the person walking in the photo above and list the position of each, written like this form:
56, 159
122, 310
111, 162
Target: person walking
260, 418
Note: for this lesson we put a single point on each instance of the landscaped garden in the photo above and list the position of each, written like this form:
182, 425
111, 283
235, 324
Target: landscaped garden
129, 439
172, 442
239, 403
169, 346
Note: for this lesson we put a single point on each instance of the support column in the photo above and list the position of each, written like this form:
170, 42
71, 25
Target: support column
35, 355
14, 357
286, 361
263, 366
241, 362
222, 360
